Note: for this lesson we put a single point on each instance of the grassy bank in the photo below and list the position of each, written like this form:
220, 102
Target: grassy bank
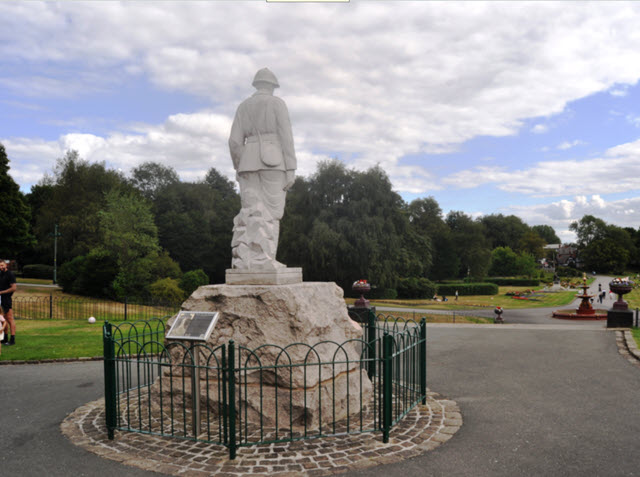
54, 339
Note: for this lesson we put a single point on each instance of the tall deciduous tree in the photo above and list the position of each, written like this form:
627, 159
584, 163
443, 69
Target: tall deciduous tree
503, 231
547, 233
79, 193
195, 223
470, 243
15, 217
342, 225
151, 177
588, 229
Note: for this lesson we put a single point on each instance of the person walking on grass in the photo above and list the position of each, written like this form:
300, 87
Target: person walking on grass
7, 287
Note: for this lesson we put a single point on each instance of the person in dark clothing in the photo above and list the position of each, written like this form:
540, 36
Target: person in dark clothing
7, 287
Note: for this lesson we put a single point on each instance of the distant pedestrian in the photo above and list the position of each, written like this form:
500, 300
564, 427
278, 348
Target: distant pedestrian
456, 295
599, 287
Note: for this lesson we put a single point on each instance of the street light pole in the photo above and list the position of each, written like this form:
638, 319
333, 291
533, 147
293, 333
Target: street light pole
55, 253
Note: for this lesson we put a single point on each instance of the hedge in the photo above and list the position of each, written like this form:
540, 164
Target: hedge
38, 271
465, 289
569, 272
514, 282
414, 287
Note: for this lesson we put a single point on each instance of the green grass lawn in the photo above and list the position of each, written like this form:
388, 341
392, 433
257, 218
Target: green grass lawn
633, 299
34, 281
53, 339
559, 299
436, 318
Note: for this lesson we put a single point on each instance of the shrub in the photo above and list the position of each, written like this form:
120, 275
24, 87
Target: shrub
414, 287
191, 280
466, 289
514, 282
167, 290
382, 293
38, 271
90, 274
568, 272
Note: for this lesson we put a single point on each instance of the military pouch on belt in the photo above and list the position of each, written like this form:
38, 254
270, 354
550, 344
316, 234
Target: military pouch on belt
270, 151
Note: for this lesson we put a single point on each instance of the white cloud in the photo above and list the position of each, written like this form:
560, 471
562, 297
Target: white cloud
619, 91
569, 144
540, 129
559, 215
358, 85
633, 119
191, 143
618, 170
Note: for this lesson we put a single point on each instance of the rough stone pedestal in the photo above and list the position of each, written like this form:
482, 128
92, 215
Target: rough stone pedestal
619, 318
305, 323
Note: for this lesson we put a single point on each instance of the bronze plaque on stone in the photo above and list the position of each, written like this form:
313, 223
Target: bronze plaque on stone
193, 325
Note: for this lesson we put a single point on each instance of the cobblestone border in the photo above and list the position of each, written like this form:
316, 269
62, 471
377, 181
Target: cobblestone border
423, 429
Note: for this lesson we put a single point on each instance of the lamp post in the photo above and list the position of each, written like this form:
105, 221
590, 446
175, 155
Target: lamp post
55, 235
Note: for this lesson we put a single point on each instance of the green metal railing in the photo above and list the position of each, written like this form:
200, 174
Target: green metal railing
246, 397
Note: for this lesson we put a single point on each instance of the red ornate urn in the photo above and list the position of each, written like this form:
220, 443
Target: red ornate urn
621, 286
361, 287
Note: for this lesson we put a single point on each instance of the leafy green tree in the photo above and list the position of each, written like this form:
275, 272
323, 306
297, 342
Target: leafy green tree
532, 244
503, 262
471, 245
79, 193
131, 236
588, 229
195, 224
221, 184
341, 225
15, 219
605, 255
425, 216
503, 231
150, 177
604, 247
193, 279
167, 290
526, 264
547, 233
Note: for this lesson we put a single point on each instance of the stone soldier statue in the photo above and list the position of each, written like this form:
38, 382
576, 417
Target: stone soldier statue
261, 146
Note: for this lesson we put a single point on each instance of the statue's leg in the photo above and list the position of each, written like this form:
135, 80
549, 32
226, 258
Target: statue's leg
273, 183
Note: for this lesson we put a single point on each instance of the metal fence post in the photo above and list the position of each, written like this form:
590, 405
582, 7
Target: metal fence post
371, 341
423, 360
109, 379
231, 405
50, 306
387, 374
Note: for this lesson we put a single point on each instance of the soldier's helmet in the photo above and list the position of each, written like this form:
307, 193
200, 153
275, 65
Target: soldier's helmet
265, 75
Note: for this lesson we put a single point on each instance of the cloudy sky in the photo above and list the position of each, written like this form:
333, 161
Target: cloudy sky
518, 108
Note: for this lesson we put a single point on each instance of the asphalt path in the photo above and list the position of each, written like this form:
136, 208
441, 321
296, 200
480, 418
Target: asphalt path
545, 398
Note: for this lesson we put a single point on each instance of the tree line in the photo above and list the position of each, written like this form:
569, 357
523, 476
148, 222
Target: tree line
151, 234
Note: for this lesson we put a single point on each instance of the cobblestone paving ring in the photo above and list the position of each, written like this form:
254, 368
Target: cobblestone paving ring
423, 429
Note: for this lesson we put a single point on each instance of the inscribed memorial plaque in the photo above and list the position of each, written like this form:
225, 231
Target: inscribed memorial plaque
193, 325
